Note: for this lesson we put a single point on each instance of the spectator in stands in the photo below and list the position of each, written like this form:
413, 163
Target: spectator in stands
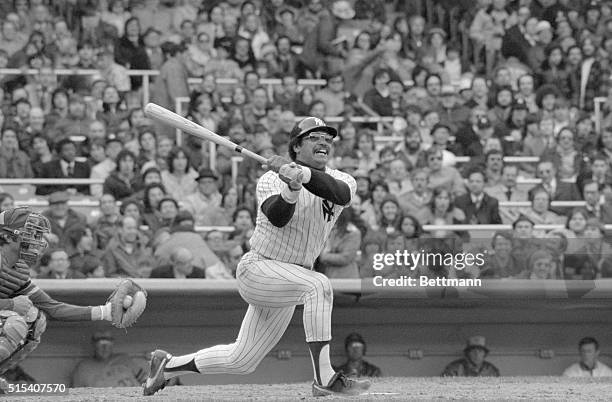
478, 206
598, 172
130, 51
371, 208
113, 108
105, 226
180, 266
334, 94
440, 176
556, 189
366, 151
473, 364
153, 193
81, 251
589, 364
540, 212
179, 179
123, 182
66, 167
586, 80
171, 82
6, 201
564, 156
182, 234
243, 221
338, 259
103, 169
441, 207
14, 163
207, 194
593, 260
40, 153
500, 263
147, 156
355, 365
61, 217
399, 179
420, 196
167, 209
115, 74
540, 265
592, 192
507, 190
59, 267
127, 254
390, 215
575, 227
11, 40
412, 230
106, 369
322, 54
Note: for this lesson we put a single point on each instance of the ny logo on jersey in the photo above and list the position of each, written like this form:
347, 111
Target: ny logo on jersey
328, 210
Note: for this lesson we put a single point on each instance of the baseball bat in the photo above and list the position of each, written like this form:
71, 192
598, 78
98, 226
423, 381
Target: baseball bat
170, 118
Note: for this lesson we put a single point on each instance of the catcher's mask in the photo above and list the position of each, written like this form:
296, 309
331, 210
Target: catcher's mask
28, 228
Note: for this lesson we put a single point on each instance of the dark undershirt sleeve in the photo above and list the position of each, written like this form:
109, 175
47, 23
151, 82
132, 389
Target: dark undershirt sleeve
277, 210
325, 186
58, 310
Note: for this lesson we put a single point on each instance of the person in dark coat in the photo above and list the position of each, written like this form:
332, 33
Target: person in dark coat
123, 182
66, 167
478, 206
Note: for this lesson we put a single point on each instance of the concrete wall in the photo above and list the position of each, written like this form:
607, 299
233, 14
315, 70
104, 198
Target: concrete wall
183, 316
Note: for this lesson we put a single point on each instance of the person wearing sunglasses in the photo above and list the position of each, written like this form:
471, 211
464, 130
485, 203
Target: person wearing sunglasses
299, 202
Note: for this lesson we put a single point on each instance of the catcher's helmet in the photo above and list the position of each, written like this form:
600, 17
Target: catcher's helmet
28, 228
310, 124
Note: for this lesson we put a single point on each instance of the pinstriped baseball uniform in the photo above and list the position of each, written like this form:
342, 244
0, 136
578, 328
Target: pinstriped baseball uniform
276, 275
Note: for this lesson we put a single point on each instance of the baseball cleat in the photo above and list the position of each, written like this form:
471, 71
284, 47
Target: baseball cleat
341, 385
156, 380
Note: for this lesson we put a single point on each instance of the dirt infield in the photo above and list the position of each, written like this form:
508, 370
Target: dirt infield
396, 389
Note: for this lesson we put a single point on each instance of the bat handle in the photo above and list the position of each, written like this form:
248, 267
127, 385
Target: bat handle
251, 155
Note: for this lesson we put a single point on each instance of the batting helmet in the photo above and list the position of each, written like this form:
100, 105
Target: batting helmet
310, 124
28, 228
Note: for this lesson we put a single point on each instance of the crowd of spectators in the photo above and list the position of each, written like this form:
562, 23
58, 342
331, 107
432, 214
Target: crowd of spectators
483, 80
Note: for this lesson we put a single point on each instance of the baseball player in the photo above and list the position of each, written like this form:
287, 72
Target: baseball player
298, 204
23, 305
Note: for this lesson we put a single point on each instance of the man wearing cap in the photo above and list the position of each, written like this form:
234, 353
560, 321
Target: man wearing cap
207, 194
61, 216
473, 363
106, 369
356, 366
299, 201
183, 235
65, 167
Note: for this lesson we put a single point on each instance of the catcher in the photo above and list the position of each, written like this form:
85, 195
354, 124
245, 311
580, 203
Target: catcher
24, 307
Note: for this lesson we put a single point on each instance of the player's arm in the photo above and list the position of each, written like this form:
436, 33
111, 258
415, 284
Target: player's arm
279, 199
325, 186
64, 311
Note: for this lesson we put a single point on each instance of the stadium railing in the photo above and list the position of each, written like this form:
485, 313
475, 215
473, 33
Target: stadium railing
517, 288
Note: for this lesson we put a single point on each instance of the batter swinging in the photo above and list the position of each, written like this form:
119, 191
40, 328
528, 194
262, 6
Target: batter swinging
298, 204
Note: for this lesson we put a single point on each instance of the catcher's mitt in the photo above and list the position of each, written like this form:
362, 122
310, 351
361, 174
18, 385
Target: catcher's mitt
128, 301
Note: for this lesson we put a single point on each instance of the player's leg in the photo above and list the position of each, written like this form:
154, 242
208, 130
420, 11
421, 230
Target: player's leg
273, 283
261, 330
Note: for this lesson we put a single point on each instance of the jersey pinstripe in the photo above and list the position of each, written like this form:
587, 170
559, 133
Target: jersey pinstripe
300, 241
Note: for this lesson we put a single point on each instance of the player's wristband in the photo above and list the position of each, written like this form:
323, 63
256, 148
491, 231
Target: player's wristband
289, 195
306, 174
101, 313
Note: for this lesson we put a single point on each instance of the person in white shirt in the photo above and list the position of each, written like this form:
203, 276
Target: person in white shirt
588, 366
